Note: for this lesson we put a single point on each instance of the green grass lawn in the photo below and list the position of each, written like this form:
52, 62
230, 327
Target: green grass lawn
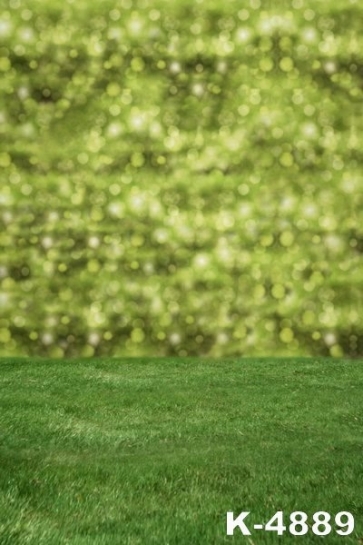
157, 450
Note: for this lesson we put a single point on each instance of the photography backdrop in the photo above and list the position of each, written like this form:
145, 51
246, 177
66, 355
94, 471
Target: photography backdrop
181, 178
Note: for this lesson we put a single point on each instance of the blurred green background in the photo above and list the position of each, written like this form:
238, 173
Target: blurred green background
181, 178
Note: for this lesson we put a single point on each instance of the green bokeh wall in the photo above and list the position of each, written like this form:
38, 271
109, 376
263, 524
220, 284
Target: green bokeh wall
181, 178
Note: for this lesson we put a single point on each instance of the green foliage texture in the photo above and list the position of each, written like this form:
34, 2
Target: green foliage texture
181, 178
